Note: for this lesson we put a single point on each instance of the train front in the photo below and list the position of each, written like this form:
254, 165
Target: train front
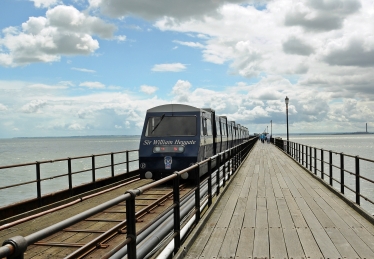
170, 141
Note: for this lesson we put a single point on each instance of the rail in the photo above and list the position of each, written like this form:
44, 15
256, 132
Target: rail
350, 173
80, 176
227, 163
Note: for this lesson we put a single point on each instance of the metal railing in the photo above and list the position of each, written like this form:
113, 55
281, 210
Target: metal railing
345, 173
201, 195
110, 167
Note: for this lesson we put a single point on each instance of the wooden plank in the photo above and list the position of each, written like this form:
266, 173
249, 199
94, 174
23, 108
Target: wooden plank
292, 241
246, 243
277, 245
308, 243
214, 243
324, 242
230, 243
341, 244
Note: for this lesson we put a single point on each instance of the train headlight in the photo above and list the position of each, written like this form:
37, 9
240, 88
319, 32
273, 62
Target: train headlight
168, 149
148, 175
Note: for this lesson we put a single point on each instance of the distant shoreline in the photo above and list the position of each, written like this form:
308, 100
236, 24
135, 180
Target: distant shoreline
119, 136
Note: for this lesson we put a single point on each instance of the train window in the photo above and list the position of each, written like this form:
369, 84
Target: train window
218, 128
209, 127
171, 126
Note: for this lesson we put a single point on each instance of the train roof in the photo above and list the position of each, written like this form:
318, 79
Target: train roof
174, 108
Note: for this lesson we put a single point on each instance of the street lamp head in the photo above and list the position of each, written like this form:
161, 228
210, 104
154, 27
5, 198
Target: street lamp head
287, 100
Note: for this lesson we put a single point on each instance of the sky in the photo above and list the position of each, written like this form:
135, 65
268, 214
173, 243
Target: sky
94, 67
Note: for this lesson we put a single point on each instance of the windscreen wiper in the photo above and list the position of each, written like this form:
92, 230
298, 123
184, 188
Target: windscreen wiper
162, 117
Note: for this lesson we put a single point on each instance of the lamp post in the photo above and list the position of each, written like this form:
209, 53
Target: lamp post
271, 129
287, 101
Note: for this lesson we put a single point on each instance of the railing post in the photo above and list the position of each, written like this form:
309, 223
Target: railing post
70, 177
112, 163
177, 219
218, 165
322, 166
210, 194
330, 167
298, 152
342, 173
127, 162
224, 171
302, 155
306, 157
38, 184
315, 161
93, 169
197, 194
358, 191
310, 159
131, 227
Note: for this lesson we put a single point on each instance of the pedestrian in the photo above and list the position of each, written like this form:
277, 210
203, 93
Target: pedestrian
268, 138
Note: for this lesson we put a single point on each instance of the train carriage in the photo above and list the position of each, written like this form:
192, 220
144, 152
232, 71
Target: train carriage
176, 136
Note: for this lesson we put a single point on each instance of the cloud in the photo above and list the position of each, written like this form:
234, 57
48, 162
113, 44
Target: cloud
190, 44
296, 46
350, 53
34, 106
172, 67
148, 89
93, 85
83, 70
3, 107
64, 31
45, 3
152, 10
319, 15
181, 91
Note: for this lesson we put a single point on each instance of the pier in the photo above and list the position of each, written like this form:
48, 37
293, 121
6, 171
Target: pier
270, 207
274, 208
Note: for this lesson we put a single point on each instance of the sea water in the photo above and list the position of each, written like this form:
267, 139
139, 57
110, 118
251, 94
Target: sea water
28, 150
25, 150
361, 145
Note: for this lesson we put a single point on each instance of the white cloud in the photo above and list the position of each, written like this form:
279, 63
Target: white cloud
181, 91
120, 37
148, 89
35, 106
93, 85
3, 107
190, 44
45, 3
83, 70
64, 31
172, 67
76, 126
150, 9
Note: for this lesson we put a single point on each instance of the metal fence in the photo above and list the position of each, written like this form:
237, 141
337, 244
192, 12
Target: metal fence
348, 174
190, 210
37, 179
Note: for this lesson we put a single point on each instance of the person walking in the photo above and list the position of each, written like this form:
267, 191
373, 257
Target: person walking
268, 138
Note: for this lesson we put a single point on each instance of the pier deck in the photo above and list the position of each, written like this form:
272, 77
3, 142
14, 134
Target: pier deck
274, 208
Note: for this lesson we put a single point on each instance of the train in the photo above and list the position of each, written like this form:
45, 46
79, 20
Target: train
176, 136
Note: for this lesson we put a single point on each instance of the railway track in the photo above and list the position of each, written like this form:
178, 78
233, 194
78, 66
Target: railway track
97, 235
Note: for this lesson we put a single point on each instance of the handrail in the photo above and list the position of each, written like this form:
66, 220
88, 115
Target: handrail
68, 172
315, 162
232, 158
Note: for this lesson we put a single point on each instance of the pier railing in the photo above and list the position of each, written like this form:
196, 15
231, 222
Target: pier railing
67, 174
348, 174
171, 227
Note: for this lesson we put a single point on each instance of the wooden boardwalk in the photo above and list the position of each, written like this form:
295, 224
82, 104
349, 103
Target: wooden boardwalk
273, 208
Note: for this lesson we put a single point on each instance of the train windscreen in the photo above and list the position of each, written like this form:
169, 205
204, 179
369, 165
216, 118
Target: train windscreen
171, 126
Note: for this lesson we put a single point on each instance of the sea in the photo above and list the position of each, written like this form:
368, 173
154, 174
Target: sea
26, 150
